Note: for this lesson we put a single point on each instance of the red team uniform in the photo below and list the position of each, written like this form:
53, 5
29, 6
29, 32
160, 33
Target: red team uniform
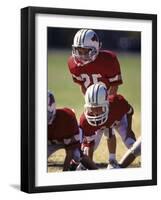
64, 130
105, 68
118, 108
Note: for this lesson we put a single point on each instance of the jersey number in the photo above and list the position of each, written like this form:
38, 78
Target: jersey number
87, 79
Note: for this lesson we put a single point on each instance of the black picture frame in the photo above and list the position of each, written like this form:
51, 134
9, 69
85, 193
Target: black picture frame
28, 98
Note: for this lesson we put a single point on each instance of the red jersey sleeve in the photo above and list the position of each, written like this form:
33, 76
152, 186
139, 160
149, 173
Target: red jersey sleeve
64, 125
115, 77
72, 68
72, 120
124, 105
118, 107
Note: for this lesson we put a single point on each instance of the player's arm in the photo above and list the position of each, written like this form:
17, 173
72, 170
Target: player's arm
72, 147
113, 90
115, 79
89, 137
79, 81
72, 153
83, 89
75, 76
88, 149
67, 160
88, 145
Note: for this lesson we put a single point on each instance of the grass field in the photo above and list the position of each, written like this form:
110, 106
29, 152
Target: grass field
68, 94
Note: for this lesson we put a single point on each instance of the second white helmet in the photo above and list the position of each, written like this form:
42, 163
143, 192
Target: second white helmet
87, 39
96, 97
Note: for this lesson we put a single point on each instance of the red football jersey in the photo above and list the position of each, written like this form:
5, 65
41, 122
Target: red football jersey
105, 68
118, 107
64, 125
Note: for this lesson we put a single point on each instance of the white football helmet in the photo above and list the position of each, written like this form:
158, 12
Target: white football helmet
51, 107
87, 39
96, 97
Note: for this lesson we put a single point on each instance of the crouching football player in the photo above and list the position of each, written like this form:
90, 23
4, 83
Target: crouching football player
63, 132
101, 115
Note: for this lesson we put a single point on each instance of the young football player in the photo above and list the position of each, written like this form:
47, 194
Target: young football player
88, 65
101, 115
63, 132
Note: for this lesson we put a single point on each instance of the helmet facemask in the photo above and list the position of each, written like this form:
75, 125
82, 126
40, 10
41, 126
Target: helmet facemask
83, 59
94, 117
96, 106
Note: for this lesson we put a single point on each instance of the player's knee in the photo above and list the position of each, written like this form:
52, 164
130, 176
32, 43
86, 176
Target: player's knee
129, 142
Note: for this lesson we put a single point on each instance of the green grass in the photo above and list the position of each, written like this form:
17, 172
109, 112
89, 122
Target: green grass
68, 94
130, 68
